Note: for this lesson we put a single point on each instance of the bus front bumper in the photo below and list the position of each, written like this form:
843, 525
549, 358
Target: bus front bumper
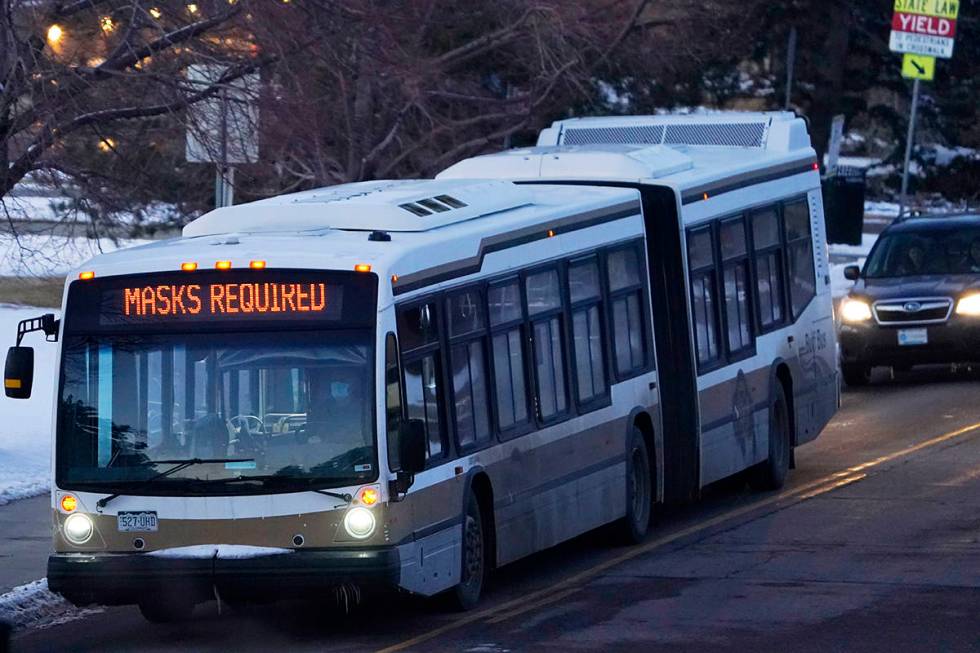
120, 579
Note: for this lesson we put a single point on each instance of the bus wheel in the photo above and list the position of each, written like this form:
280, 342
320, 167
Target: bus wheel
467, 594
160, 611
771, 474
639, 491
855, 374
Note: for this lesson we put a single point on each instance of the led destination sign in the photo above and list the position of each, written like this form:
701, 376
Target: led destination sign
221, 299
214, 300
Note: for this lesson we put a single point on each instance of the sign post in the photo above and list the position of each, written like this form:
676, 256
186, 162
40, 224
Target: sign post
922, 30
223, 129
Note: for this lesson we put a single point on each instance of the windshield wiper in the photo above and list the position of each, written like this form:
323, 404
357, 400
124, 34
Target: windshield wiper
178, 465
283, 480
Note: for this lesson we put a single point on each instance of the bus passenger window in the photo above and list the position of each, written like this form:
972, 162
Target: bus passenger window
590, 364
799, 251
506, 315
735, 269
770, 288
467, 325
626, 300
701, 261
543, 305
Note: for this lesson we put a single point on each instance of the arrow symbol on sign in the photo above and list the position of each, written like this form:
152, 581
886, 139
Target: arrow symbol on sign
922, 71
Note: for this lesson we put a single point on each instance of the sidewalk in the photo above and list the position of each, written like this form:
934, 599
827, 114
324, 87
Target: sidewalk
25, 541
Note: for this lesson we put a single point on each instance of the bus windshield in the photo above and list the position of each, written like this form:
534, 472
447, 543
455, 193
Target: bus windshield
295, 409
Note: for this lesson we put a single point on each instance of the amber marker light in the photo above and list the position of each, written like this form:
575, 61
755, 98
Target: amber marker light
369, 496
257, 265
69, 503
551, 233
394, 278
362, 267
705, 196
222, 265
190, 266
86, 276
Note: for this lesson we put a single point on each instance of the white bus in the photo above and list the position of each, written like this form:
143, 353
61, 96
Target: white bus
742, 306
406, 384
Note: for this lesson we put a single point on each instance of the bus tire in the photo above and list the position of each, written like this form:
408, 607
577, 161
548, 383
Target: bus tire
856, 374
771, 474
159, 611
633, 528
473, 557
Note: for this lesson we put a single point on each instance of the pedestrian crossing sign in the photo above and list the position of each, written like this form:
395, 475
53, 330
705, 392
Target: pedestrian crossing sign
916, 66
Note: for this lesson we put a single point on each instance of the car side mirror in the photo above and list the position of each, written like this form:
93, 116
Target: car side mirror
18, 372
852, 272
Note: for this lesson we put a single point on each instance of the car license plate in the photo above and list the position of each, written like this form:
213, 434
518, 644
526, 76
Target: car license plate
137, 522
913, 337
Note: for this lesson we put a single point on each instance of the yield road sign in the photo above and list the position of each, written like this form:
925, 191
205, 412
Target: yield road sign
915, 66
925, 27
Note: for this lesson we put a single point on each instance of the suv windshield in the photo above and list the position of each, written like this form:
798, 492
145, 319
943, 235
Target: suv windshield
909, 253
296, 405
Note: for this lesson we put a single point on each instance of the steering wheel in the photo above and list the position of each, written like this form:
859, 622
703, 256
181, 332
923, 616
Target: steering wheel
247, 421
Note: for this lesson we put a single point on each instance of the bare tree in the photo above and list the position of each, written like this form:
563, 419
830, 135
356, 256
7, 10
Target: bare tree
77, 69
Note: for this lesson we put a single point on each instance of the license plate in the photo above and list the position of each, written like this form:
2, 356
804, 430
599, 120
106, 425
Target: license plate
137, 522
913, 337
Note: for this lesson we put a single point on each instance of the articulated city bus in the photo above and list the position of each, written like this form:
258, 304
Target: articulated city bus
406, 384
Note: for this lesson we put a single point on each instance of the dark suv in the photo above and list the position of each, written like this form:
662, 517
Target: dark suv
917, 300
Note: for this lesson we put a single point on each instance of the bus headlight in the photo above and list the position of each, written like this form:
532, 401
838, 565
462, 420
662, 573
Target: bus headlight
78, 528
855, 310
969, 305
359, 522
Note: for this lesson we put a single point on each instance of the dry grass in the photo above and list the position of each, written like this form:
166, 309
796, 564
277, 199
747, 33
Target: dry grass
44, 292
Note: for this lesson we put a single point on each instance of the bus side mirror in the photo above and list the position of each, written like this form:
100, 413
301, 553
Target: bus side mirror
411, 446
852, 273
18, 372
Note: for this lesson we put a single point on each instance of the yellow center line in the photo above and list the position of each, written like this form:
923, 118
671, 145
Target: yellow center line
571, 584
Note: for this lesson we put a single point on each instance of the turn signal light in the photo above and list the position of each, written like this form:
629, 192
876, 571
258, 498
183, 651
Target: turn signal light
369, 496
362, 267
188, 267
86, 276
222, 265
257, 265
69, 503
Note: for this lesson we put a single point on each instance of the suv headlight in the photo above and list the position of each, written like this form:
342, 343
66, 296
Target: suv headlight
855, 310
969, 305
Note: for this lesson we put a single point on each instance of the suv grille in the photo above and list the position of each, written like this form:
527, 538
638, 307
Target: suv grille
913, 311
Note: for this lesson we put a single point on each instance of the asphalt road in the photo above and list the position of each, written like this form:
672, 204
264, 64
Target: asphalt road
873, 545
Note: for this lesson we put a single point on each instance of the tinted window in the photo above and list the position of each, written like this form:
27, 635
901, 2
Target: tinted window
628, 331
504, 302
737, 307
624, 269
770, 284
699, 250
393, 400
799, 254
508, 367
466, 313
705, 319
549, 367
733, 243
765, 229
418, 326
583, 281
543, 292
470, 393
587, 345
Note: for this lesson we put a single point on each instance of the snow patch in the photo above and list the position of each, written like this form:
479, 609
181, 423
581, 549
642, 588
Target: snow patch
48, 255
25, 425
35, 606
222, 551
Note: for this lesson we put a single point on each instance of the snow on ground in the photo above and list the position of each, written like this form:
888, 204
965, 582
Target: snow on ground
25, 424
223, 551
34, 606
45, 255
